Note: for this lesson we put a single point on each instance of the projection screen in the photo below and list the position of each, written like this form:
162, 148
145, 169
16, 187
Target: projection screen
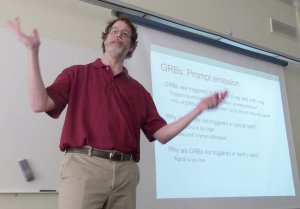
240, 155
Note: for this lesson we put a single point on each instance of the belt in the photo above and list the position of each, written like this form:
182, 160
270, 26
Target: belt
110, 155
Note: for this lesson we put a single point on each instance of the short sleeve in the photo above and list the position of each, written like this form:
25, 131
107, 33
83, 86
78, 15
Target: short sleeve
59, 92
153, 120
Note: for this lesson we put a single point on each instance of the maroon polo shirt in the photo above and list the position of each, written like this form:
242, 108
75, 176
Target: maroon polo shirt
103, 111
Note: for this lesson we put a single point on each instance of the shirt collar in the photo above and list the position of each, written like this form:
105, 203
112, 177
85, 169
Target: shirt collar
99, 65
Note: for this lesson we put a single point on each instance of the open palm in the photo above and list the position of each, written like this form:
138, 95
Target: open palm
31, 41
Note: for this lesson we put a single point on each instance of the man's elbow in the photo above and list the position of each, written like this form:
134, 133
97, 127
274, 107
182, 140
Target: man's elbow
162, 136
162, 139
37, 109
42, 106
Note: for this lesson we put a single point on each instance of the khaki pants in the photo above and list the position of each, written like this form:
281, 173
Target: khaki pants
96, 183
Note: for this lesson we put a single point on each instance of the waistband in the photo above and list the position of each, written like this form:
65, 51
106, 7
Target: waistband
110, 155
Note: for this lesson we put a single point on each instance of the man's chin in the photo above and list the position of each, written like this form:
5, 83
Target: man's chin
117, 53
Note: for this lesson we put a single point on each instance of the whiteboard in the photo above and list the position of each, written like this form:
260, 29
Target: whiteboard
24, 134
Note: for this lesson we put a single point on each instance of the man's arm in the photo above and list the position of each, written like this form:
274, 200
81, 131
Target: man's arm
167, 132
39, 100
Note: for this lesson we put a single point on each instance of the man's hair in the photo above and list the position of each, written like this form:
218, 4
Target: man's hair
133, 37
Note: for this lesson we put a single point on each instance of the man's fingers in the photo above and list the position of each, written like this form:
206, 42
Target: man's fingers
222, 95
218, 97
15, 25
35, 33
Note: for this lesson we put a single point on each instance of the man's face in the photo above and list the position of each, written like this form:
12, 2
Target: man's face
118, 40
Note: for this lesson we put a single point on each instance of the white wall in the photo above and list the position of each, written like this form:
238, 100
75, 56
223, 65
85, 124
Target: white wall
82, 23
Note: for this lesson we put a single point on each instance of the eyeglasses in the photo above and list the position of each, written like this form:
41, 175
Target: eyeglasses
123, 33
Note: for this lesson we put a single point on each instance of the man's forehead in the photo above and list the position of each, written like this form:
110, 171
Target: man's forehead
121, 25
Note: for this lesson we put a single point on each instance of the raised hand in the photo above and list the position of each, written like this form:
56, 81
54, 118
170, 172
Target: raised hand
39, 99
31, 41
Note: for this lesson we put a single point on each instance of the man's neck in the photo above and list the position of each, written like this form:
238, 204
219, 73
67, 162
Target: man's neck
115, 64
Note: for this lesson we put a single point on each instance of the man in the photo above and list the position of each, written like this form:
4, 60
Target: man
106, 111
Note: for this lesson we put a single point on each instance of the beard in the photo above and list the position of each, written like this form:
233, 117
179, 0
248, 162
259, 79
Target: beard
117, 52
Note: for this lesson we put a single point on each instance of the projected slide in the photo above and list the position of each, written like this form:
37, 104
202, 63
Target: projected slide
239, 149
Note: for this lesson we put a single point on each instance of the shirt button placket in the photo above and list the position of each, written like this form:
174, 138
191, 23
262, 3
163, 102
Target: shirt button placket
107, 69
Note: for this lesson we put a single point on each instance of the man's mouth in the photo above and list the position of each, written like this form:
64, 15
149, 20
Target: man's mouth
117, 42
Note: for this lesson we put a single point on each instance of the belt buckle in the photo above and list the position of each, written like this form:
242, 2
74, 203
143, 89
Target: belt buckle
90, 150
111, 155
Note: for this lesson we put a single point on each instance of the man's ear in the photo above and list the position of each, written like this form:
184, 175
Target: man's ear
131, 48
